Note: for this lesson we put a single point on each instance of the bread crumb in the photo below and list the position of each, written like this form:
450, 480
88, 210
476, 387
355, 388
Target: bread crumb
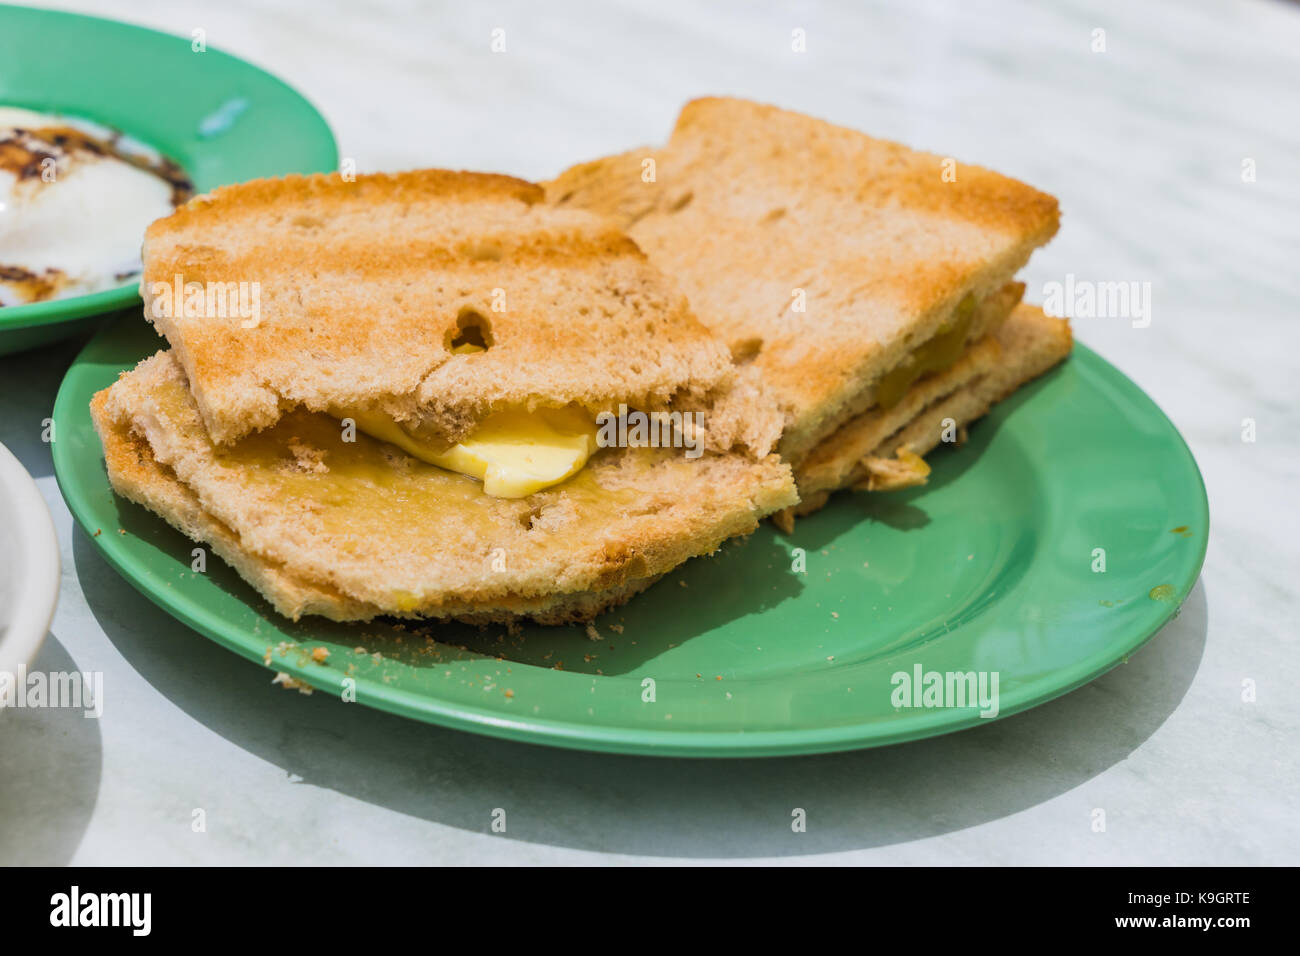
282, 649
291, 683
592, 633
397, 460
318, 654
306, 458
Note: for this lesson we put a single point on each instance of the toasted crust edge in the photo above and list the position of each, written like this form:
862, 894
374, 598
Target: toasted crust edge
1027, 346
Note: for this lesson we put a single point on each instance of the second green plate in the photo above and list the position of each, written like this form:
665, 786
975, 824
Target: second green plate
222, 119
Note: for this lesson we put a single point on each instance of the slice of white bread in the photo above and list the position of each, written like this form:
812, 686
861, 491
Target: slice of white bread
363, 287
758, 212
864, 453
351, 530
137, 476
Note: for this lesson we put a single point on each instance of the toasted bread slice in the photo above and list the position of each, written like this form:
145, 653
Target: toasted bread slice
879, 450
137, 476
362, 289
821, 255
352, 530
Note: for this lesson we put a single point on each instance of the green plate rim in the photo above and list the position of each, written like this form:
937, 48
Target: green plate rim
36, 315
71, 412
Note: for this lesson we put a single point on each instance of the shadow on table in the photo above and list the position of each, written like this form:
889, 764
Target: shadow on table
51, 760
31, 381
651, 806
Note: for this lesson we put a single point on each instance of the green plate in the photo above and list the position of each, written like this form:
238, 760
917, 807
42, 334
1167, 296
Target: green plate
988, 569
222, 119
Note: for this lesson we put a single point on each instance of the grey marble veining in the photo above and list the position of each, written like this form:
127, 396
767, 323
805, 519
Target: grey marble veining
1142, 143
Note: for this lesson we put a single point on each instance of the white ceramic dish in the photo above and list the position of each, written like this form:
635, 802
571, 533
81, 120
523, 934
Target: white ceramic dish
29, 566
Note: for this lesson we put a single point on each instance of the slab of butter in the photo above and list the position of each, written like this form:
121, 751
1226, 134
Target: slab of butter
514, 453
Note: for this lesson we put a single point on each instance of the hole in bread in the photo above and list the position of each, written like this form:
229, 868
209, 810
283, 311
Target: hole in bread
307, 222
773, 216
746, 350
682, 201
472, 328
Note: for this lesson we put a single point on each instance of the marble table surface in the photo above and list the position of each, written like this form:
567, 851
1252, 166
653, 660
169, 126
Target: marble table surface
1144, 143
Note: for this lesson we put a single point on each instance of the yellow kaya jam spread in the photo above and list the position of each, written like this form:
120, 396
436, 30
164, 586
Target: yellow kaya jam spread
933, 356
913, 462
514, 453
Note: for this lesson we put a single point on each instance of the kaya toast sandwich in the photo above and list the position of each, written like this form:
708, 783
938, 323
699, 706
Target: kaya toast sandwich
410, 327
865, 288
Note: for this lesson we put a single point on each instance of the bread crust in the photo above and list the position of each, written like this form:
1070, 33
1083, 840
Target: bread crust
1027, 345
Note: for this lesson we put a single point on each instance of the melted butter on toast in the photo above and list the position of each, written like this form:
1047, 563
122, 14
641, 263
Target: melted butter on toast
514, 453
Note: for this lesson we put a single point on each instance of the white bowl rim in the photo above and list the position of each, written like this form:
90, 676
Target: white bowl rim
36, 547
